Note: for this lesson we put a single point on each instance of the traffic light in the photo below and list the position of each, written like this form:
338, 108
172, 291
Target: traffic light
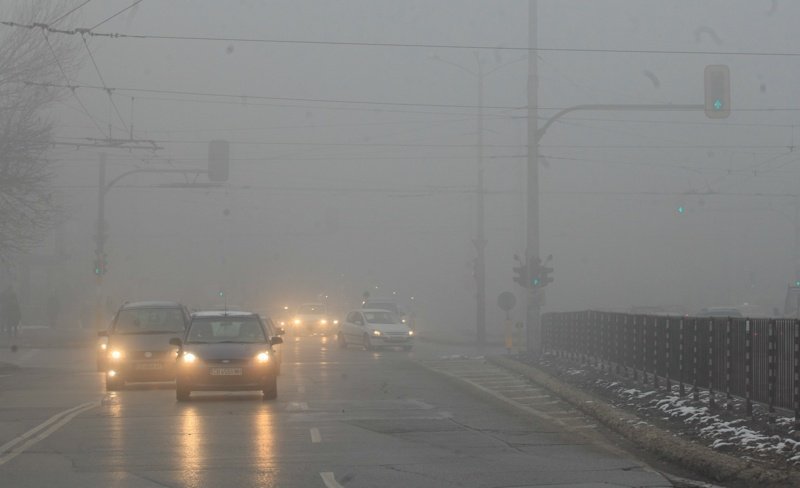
218, 160
544, 276
521, 275
98, 267
717, 83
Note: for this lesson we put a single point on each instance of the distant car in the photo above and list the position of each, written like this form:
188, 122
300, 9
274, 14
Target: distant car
372, 328
387, 304
313, 318
719, 312
226, 351
137, 343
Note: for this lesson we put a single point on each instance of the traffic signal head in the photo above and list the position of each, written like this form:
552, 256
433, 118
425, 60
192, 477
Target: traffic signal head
717, 84
797, 284
521, 275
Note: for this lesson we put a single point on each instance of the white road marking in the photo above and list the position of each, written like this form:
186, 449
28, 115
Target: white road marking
421, 404
295, 406
330, 480
15, 447
315, 436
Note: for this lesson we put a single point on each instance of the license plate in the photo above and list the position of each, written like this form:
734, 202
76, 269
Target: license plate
148, 366
226, 371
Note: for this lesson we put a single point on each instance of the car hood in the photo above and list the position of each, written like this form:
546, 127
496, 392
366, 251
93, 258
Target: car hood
389, 328
211, 352
143, 342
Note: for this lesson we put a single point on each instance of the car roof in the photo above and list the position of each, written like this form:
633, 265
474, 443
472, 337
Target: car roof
222, 313
373, 310
151, 304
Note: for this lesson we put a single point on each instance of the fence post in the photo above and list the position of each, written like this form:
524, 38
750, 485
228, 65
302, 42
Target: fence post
635, 348
748, 368
618, 344
728, 364
771, 377
695, 388
681, 339
655, 352
796, 367
644, 349
711, 400
668, 358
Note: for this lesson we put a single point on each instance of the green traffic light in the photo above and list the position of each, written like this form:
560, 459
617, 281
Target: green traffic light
681, 209
797, 284
718, 104
221, 294
536, 282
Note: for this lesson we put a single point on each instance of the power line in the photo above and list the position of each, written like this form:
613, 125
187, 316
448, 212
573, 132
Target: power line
68, 13
137, 2
64, 73
118, 35
99, 75
264, 97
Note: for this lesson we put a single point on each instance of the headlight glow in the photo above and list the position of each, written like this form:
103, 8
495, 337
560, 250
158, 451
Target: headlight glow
189, 358
403, 320
116, 354
376, 333
262, 357
324, 321
104, 346
411, 332
297, 321
112, 373
335, 322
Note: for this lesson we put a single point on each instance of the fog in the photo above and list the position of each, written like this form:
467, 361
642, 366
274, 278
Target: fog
353, 155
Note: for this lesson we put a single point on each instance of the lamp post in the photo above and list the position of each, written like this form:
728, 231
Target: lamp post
480, 233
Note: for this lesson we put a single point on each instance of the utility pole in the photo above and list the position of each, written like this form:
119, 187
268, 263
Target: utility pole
100, 240
480, 239
534, 295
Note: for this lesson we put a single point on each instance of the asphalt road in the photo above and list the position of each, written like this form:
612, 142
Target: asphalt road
348, 418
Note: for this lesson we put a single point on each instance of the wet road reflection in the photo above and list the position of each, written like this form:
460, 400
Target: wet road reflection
192, 458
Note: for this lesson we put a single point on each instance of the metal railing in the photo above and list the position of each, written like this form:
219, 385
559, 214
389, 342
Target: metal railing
751, 358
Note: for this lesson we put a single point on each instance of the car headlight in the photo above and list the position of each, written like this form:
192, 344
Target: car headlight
411, 332
189, 358
116, 354
297, 321
323, 322
335, 322
262, 357
103, 346
376, 333
283, 322
403, 320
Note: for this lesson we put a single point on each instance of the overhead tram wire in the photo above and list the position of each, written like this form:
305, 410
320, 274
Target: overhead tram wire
68, 13
72, 90
137, 2
108, 91
471, 47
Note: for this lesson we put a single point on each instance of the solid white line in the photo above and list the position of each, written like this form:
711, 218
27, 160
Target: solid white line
330, 480
315, 436
36, 434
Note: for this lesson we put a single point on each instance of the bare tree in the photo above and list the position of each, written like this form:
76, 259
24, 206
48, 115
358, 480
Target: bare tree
27, 204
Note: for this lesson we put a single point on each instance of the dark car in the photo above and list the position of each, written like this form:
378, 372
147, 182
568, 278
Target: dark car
137, 342
226, 351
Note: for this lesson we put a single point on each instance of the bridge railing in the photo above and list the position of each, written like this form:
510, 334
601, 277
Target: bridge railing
757, 359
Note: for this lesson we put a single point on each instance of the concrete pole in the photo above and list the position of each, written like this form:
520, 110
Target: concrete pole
480, 239
533, 319
100, 239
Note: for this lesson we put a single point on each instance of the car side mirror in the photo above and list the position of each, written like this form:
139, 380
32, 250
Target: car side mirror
102, 333
276, 340
175, 342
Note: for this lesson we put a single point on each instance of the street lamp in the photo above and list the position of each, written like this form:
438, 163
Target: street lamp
480, 237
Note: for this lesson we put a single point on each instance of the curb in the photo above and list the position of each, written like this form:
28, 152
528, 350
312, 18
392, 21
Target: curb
701, 459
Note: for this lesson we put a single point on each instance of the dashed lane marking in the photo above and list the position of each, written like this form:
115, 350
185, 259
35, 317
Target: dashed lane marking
315, 435
330, 480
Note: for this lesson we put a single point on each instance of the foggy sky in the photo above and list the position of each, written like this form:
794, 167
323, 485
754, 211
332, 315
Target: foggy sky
390, 202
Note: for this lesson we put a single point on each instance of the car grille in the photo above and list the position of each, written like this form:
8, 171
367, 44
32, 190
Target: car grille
227, 362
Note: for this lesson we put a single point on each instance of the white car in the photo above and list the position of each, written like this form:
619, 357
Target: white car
371, 328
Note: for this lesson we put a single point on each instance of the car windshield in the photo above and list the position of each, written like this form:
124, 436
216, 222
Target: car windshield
225, 329
385, 306
149, 320
311, 309
380, 317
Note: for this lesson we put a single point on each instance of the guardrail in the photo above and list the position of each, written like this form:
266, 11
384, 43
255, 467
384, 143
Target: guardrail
752, 358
